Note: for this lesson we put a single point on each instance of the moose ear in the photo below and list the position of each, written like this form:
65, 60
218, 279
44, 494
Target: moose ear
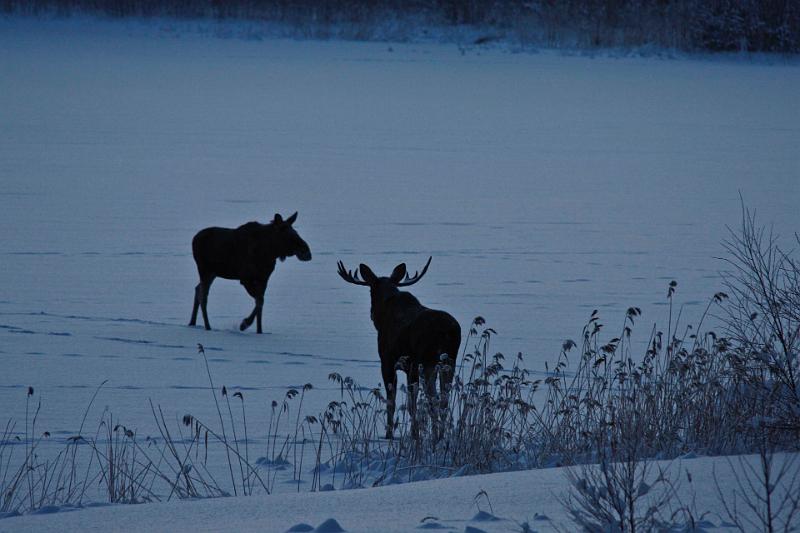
278, 218
291, 219
398, 273
367, 274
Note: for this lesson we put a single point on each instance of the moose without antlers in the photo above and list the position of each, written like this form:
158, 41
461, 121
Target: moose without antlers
248, 254
407, 329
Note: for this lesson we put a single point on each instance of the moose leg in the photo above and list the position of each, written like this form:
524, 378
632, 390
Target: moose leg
248, 320
196, 305
390, 382
259, 307
412, 378
204, 287
256, 290
447, 371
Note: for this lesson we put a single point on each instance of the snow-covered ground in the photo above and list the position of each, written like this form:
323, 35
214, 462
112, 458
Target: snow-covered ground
454, 504
543, 185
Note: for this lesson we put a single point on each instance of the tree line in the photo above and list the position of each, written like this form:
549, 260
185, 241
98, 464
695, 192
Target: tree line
691, 25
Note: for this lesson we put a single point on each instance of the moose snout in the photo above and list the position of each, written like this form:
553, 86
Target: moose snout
304, 255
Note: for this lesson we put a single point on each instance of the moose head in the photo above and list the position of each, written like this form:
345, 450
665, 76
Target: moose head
382, 289
285, 240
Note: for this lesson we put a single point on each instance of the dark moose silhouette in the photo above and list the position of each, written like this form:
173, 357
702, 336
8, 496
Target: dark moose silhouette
248, 254
410, 336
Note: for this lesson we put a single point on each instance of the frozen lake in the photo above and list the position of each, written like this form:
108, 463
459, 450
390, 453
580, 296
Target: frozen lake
544, 186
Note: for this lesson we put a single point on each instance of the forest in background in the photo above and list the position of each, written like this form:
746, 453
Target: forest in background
688, 25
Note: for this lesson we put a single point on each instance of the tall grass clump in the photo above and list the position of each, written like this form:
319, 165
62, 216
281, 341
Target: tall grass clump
115, 464
763, 319
736, 393
30, 479
692, 390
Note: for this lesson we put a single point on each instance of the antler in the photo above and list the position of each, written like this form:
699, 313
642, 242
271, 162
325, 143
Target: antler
350, 276
416, 277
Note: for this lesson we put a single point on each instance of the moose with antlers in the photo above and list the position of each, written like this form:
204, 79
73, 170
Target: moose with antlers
410, 335
248, 254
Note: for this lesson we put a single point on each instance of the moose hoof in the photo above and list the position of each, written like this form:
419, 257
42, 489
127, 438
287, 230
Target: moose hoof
244, 325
